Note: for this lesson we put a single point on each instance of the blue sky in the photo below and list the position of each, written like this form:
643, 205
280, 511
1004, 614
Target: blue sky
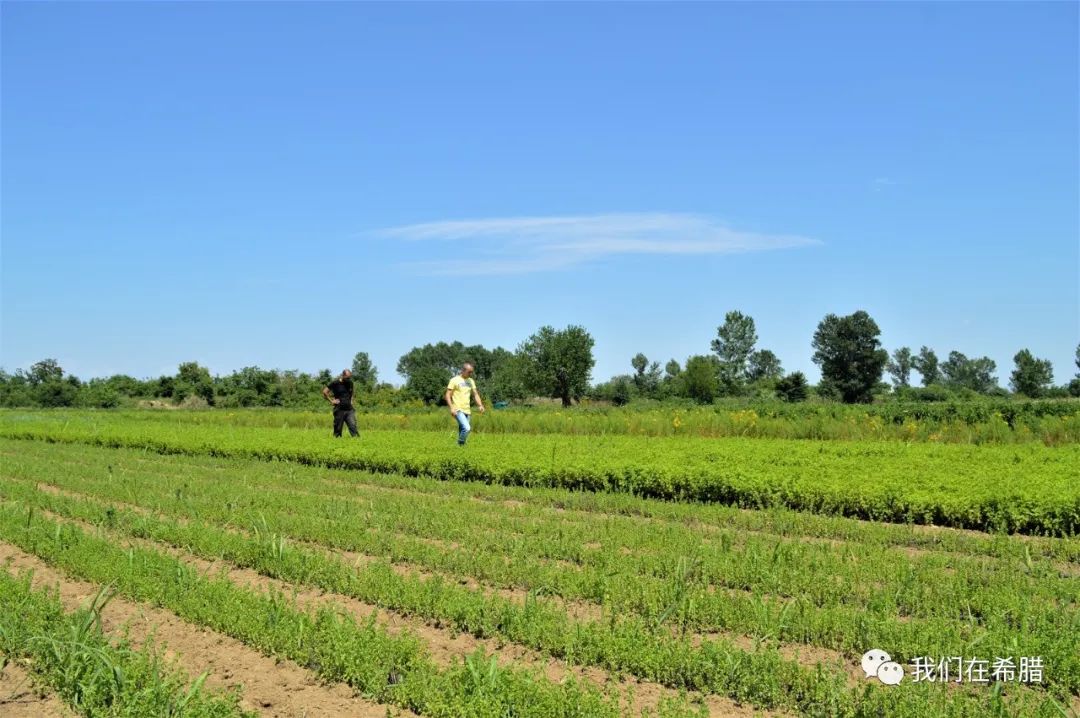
283, 185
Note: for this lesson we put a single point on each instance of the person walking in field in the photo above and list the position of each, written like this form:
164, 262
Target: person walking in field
340, 393
459, 394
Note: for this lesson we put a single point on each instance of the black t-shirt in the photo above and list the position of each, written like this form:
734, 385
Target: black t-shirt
341, 389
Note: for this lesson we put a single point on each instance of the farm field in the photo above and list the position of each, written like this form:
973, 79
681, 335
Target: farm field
528, 575
1051, 422
1026, 488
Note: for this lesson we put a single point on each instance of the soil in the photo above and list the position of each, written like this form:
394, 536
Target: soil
270, 687
21, 698
445, 646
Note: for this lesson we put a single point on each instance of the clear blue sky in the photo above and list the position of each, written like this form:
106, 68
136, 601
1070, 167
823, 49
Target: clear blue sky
283, 185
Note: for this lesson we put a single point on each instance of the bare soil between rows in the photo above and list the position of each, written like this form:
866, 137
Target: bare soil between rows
276, 688
805, 654
445, 646
22, 697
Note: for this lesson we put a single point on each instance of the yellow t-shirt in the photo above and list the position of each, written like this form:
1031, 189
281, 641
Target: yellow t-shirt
462, 389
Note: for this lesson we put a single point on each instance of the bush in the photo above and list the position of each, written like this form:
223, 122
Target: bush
620, 391
700, 380
934, 392
792, 388
56, 393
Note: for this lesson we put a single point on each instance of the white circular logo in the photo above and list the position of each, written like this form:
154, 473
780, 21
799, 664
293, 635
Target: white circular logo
890, 673
872, 660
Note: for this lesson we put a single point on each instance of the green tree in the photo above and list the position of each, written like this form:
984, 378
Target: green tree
733, 346
364, 373
193, 380
100, 394
960, 372
55, 393
48, 385
428, 384
850, 355
1074, 385
619, 390
129, 386
1032, 376
793, 387
421, 365
44, 371
672, 370
646, 376
926, 363
507, 377
15, 389
764, 365
558, 363
699, 380
900, 367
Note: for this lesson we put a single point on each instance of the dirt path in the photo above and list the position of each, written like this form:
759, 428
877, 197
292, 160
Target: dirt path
272, 688
20, 698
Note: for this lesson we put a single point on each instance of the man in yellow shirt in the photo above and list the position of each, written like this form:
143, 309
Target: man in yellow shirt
459, 394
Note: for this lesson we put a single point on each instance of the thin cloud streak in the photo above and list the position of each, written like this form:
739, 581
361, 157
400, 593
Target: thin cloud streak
520, 245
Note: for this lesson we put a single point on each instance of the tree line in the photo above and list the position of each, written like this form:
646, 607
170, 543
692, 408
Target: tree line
853, 364
558, 363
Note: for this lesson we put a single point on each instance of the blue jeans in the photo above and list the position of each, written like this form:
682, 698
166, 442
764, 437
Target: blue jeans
464, 427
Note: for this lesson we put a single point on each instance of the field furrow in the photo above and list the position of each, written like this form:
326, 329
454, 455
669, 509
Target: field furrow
197, 578
756, 618
267, 686
22, 697
466, 585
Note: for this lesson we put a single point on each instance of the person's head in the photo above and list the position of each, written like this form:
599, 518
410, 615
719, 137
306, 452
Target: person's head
345, 374
466, 370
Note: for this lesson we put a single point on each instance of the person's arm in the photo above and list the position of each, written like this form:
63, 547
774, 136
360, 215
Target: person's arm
479, 401
326, 395
449, 403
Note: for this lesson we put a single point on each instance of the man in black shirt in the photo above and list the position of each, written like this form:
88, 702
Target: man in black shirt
340, 394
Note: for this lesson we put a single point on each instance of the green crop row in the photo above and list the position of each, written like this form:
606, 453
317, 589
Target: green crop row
388, 669
1052, 422
1026, 489
645, 515
241, 497
816, 692
96, 677
1002, 608
848, 597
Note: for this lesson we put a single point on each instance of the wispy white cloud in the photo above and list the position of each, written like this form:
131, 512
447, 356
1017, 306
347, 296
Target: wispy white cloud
880, 183
518, 245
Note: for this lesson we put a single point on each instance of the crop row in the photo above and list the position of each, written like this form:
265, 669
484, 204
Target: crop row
1026, 489
646, 515
817, 692
980, 422
949, 603
394, 670
95, 676
613, 561
997, 618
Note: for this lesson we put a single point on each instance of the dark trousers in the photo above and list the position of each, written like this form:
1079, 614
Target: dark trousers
347, 417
